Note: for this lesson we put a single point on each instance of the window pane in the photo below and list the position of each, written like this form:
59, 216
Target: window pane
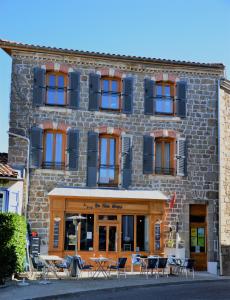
70, 235
168, 106
105, 101
140, 231
61, 82
157, 236
102, 238
49, 147
103, 153
167, 155
52, 80
112, 151
60, 97
51, 96
159, 90
127, 240
114, 86
114, 101
158, 157
2, 208
167, 90
58, 152
87, 232
112, 238
105, 85
159, 105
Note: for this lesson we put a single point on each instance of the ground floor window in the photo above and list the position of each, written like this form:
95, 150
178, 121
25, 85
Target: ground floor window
2, 201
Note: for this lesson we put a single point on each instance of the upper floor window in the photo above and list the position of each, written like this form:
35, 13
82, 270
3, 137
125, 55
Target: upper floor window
108, 160
165, 98
2, 201
56, 87
165, 95
54, 150
164, 159
165, 156
110, 94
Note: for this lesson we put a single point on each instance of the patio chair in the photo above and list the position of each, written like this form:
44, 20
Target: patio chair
36, 263
135, 261
81, 266
162, 265
151, 265
188, 266
66, 264
119, 267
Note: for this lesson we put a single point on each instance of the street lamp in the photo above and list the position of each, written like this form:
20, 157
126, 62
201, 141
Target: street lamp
76, 221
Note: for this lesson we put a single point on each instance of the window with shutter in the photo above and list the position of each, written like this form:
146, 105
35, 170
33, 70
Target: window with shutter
164, 156
165, 98
110, 94
108, 160
54, 150
56, 89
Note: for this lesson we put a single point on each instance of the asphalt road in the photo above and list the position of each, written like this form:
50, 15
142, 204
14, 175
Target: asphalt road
210, 290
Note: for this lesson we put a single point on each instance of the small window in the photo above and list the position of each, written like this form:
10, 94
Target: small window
54, 153
164, 102
2, 201
56, 87
110, 94
164, 159
108, 158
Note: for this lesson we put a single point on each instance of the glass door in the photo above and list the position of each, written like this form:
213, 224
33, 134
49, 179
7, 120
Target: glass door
107, 238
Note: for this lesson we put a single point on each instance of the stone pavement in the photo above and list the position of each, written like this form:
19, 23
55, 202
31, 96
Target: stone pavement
36, 290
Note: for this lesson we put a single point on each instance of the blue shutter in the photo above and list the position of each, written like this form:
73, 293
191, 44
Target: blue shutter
148, 154
36, 146
126, 161
181, 99
127, 101
149, 94
92, 159
39, 89
73, 148
74, 90
94, 91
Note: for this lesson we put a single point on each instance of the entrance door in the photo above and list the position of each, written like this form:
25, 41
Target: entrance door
198, 236
107, 238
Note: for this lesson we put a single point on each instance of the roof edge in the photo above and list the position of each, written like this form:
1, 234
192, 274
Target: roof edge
8, 46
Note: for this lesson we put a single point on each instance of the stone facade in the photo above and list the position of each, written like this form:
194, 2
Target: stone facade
199, 128
224, 176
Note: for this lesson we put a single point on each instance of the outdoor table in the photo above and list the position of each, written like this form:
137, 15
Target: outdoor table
49, 265
100, 266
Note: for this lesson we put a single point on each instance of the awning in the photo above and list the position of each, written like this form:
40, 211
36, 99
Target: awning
109, 193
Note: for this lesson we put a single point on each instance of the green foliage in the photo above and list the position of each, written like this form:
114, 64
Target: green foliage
13, 244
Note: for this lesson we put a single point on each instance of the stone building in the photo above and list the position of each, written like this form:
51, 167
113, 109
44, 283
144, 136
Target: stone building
113, 138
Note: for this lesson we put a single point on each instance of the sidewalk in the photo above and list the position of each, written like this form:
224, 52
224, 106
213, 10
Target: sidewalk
35, 290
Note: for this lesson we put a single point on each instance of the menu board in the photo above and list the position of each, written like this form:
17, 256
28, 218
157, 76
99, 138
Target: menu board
201, 239
56, 234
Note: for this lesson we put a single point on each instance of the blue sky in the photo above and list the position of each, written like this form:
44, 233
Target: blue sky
195, 30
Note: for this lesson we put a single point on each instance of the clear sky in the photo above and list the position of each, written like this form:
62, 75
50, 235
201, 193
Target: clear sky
195, 30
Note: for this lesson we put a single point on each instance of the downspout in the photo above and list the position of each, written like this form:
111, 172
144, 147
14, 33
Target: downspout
220, 177
27, 168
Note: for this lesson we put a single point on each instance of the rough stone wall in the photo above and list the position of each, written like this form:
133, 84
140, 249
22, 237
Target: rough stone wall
225, 180
199, 127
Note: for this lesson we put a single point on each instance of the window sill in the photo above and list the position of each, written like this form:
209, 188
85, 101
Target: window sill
110, 114
52, 171
55, 109
165, 118
166, 177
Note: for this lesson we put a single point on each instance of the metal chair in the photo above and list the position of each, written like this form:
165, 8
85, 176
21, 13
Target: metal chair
81, 266
119, 267
151, 265
66, 264
162, 265
188, 266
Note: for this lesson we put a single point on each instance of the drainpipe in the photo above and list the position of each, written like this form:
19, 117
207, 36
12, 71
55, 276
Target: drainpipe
220, 177
27, 168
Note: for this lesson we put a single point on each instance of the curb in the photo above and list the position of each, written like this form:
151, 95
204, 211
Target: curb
123, 288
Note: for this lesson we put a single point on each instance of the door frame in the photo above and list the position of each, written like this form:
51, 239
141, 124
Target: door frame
108, 224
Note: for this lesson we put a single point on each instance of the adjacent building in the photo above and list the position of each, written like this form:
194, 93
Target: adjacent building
113, 138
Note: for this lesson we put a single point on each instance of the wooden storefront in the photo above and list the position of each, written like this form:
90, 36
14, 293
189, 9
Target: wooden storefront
113, 227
